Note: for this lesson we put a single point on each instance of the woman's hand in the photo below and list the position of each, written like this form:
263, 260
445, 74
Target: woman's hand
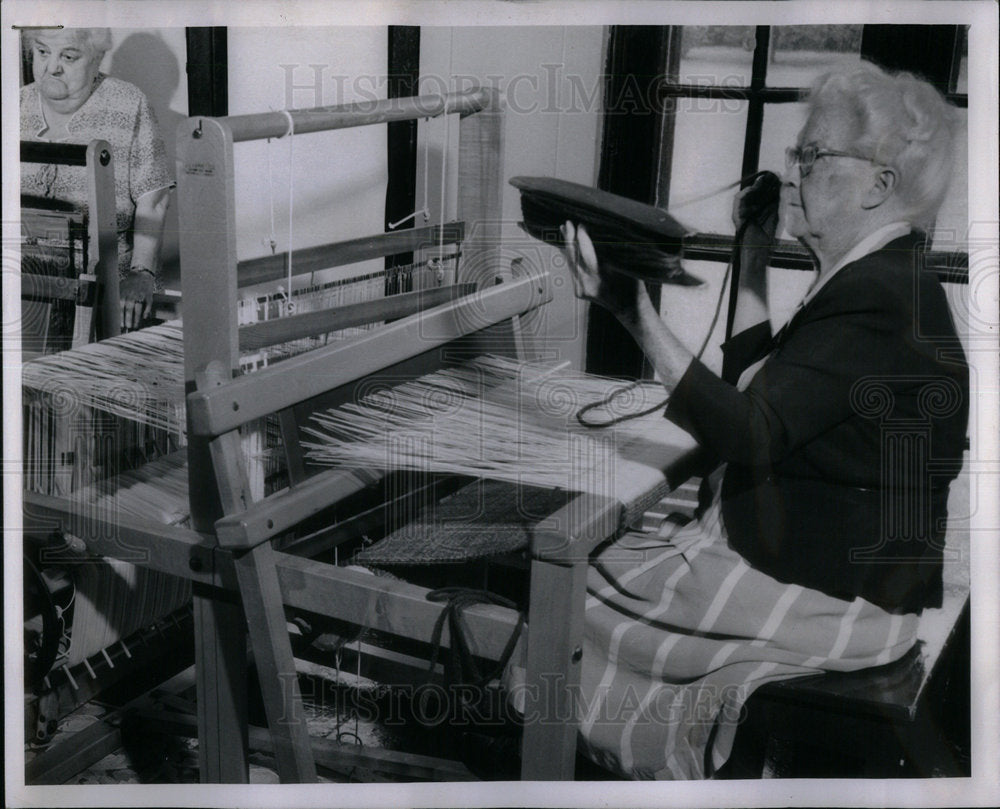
616, 292
136, 294
756, 225
761, 222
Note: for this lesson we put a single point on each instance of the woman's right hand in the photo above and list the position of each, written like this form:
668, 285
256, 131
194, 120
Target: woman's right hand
616, 292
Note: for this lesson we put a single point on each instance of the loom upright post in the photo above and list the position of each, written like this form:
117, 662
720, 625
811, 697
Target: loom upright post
208, 279
480, 189
102, 235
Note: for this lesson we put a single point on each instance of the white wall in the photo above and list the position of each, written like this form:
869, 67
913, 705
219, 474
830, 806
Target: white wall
153, 59
338, 183
550, 78
338, 179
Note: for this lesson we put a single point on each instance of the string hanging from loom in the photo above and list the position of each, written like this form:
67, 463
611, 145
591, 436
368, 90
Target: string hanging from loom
444, 181
425, 210
271, 239
290, 134
447, 143
272, 236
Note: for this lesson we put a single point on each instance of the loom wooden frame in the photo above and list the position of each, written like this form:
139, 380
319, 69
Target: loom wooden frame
231, 536
239, 579
96, 289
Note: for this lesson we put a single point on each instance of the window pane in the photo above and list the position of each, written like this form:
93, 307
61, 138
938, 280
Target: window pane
717, 54
952, 225
708, 153
800, 53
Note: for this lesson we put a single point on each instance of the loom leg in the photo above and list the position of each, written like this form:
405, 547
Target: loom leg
272, 653
221, 667
555, 638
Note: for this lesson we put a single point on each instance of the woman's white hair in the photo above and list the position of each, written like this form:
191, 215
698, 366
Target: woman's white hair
902, 122
95, 40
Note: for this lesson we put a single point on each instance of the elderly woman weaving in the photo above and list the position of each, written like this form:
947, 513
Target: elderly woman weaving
820, 545
71, 101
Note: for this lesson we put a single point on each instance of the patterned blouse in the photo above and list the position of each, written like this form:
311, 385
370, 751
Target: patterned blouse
119, 113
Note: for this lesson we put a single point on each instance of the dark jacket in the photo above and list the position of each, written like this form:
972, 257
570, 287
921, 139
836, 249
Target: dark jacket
841, 449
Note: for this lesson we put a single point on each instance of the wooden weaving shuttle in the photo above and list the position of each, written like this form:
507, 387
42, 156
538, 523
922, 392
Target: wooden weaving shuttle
639, 240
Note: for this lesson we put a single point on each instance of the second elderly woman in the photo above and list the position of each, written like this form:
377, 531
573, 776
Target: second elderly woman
71, 101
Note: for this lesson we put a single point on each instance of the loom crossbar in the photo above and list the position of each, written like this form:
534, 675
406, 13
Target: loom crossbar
264, 269
214, 411
308, 324
262, 125
392, 606
65, 154
51, 287
486, 321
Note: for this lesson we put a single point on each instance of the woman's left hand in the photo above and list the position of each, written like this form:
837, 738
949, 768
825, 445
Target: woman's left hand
616, 292
136, 294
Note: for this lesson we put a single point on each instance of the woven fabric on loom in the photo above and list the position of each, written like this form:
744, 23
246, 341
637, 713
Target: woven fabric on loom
101, 425
156, 491
485, 518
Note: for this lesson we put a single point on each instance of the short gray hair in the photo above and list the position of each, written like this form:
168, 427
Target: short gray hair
902, 122
95, 40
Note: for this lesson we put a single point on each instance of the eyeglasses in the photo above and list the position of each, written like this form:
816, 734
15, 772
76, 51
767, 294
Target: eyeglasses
805, 156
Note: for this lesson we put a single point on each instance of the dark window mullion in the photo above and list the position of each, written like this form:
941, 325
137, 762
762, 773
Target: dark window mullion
665, 164
207, 71
755, 109
751, 145
952, 267
401, 136
630, 155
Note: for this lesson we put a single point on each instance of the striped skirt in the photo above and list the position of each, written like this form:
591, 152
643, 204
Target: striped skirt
679, 632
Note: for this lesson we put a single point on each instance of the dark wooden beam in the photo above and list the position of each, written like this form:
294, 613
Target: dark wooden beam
404, 77
207, 71
633, 132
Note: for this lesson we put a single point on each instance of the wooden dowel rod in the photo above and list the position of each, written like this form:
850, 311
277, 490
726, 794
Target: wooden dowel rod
309, 324
337, 254
363, 113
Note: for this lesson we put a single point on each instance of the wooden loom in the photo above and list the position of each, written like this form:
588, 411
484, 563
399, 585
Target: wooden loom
69, 256
228, 548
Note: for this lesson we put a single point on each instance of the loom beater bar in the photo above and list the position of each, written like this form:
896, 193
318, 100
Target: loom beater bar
214, 411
